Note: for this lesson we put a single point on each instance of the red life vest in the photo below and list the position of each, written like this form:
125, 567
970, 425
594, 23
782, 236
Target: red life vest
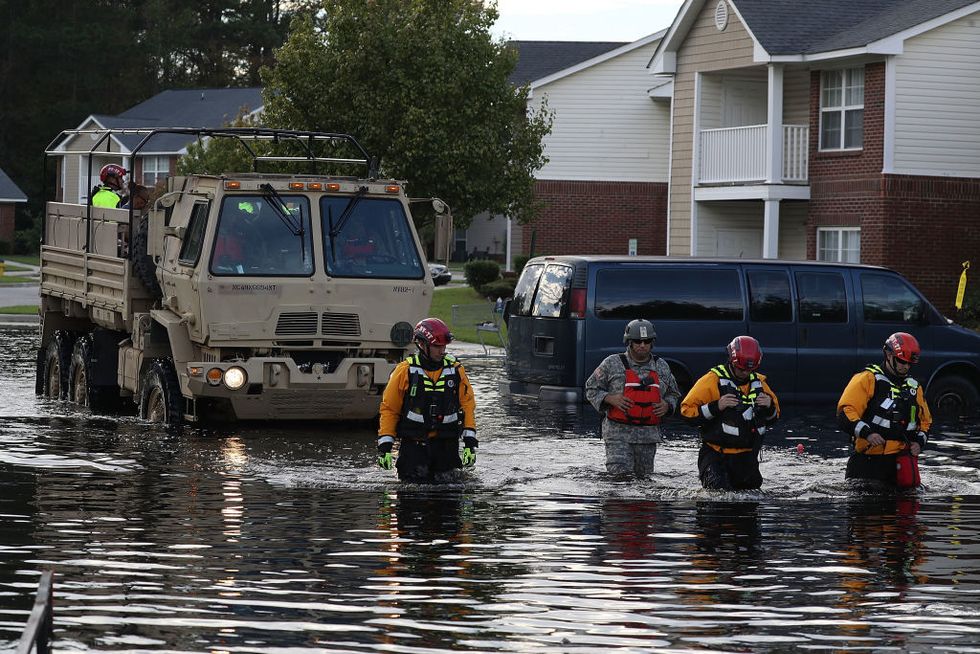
644, 393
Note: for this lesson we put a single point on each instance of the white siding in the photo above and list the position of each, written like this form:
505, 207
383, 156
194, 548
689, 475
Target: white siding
937, 102
746, 216
606, 127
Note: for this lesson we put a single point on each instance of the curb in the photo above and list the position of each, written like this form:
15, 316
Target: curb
19, 319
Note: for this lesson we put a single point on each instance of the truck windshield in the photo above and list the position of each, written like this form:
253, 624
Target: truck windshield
253, 240
374, 241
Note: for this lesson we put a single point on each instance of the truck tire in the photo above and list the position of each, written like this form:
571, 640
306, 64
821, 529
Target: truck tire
953, 396
143, 265
57, 361
160, 398
82, 389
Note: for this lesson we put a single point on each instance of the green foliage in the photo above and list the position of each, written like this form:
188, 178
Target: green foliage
480, 273
6, 248
520, 261
217, 156
28, 240
502, 288
969, 315
424, 87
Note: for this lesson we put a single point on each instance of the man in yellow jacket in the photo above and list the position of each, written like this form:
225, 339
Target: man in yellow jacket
733, 406
884, 411
428, 405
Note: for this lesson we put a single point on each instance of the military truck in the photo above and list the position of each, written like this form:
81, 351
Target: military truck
253, 295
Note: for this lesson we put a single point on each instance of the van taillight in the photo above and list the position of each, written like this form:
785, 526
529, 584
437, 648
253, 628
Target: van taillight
576, 303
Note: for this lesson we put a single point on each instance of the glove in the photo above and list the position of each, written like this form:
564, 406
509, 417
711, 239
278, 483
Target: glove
469, 451
384, 455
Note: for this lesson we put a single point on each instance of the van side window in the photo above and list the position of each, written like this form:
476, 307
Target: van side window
552, 291
190, 249
889, 299
770, 299
668, 294
524, 292
822, 297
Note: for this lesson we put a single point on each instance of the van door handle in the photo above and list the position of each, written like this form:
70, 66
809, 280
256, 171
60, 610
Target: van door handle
543, 346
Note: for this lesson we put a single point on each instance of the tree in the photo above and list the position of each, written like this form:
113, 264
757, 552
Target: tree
424, 87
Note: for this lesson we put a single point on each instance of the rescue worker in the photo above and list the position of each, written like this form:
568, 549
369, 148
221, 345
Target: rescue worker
109, 194
884, 412
633, 391
733, 406
427, 405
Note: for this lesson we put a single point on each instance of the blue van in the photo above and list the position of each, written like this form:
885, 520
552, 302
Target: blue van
818, 324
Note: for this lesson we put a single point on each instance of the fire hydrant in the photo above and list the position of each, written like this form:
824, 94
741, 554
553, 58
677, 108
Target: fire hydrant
3, 267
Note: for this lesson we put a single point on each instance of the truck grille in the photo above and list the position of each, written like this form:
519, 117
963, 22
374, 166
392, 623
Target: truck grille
341, 324
296, 324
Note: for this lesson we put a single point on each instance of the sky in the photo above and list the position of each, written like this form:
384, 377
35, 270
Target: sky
583, 20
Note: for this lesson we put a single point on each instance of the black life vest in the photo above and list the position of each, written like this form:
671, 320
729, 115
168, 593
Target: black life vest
644, 393
892, 410
431, 406
739, 425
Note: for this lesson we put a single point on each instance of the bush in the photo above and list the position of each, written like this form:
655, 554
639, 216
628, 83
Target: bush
502, 288
969, 315
6, 248
519, 262
480, 273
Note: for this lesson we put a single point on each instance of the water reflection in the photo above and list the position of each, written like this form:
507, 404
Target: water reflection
262, 539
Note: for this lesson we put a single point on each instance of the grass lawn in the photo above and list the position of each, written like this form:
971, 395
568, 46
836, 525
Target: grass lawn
10, 279
442, 307
23, 309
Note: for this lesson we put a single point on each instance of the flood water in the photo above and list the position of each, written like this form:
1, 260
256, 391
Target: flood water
273, 540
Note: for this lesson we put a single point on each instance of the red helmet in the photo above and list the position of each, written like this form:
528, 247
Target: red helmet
432, 331
903, 346
744, 352
112, 170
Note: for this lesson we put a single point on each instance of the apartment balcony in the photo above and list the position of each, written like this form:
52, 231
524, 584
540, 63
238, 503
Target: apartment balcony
737, 155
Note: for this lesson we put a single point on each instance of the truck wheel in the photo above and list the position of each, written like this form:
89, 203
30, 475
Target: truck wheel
953, 396
57, 361
81, 390
160, 399
143, 265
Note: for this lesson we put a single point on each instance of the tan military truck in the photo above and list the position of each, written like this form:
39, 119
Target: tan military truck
256, 295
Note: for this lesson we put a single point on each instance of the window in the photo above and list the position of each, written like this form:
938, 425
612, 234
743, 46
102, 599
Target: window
841, 245
190, 250
368, 238
552, 291
842, 109
155, 169
822, 297
524, 293
260, 235
769, 296
686, 293
889, 299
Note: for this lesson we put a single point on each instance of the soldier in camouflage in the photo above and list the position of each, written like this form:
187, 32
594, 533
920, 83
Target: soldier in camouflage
634, 391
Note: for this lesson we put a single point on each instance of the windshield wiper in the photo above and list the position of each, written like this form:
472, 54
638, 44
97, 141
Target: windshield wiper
295, 226
348, 210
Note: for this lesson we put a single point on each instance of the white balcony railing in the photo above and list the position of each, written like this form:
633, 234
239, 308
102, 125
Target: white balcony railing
738, 154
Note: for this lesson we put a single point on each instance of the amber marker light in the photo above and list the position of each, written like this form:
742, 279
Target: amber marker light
214, 376
392, 188
333, 187
232, 185
195, 371
295, 186
314, 186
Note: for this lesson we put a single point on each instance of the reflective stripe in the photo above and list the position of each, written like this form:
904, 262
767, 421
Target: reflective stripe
748, 414
859, 427
414, 417
469, 433
385, 439
706, 412
731, 430
884, 423
452, 417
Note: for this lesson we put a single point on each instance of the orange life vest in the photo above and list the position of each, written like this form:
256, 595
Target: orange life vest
644, 393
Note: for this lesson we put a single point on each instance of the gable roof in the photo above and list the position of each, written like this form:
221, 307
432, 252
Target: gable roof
9, 192
807, 29
539, 59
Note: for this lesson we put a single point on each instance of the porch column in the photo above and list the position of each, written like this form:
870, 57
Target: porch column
774, 126
770, 230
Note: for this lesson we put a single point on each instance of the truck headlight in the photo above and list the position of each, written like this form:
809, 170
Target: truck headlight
235, 378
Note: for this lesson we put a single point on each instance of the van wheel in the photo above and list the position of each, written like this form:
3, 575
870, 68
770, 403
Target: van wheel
143, 265
57, 361
160, 398
952, 397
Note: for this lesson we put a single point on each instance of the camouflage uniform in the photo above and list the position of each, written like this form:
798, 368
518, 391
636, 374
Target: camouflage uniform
630, 449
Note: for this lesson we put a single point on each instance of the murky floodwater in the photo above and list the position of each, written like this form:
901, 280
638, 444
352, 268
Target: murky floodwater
261, 539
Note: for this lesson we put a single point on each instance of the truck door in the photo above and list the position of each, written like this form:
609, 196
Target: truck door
771, 323
827, 336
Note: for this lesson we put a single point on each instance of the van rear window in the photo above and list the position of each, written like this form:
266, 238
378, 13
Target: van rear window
542, 291
668, 294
